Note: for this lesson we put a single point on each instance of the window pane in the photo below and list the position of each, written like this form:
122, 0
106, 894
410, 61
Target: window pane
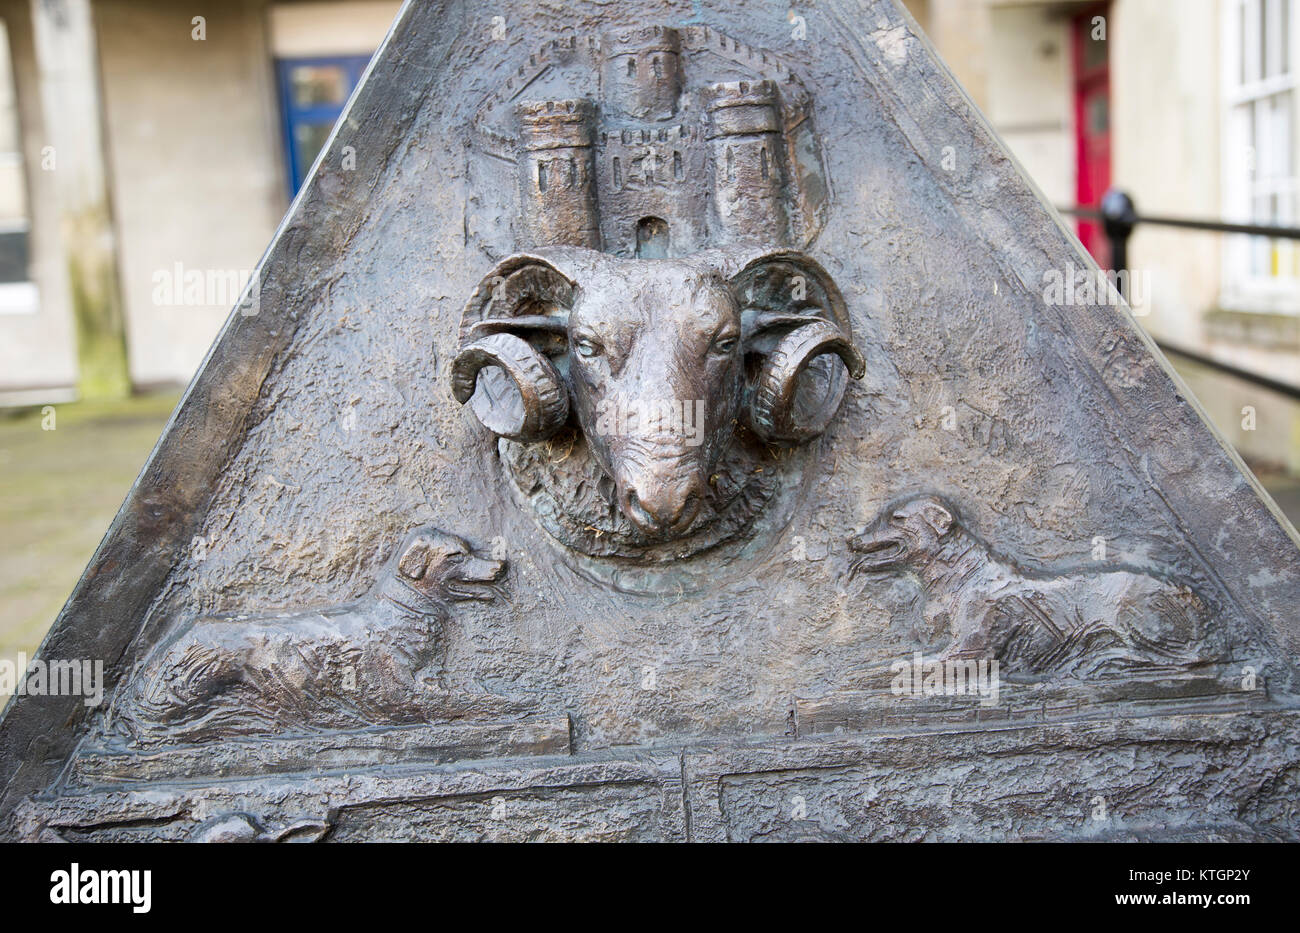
1252, 139
1264, 151
1267, 10
1284, 38
1252, 39
1275, 37
1284, 155
317, 85
1099, 113
1094, 50
13, 181
1241, 43
308, 139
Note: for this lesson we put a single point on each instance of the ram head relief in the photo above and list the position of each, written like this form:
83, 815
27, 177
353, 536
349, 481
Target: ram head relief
659, 364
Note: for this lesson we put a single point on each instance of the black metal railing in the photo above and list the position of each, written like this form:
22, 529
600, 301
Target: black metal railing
1119, 218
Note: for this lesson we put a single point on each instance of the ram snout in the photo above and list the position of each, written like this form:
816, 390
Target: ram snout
659, 483
659, 453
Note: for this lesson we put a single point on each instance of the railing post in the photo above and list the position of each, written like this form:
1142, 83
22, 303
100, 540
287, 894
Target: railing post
1118, 218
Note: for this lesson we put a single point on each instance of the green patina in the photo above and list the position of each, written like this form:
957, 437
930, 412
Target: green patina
103, 371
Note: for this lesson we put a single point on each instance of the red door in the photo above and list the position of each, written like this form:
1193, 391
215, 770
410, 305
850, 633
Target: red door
1092, 121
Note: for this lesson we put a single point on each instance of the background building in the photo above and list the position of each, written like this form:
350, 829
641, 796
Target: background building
1190, 106
210, 115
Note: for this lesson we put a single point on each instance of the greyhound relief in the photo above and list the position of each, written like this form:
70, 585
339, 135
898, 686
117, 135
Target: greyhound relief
1085, 623
376, 661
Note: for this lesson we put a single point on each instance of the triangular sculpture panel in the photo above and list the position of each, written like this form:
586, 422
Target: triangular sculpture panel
656, 427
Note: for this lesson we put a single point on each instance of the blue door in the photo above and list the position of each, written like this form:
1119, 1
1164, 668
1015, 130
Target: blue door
313, 92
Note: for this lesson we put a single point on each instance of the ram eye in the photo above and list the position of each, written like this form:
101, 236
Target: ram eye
724, 345
898, 518
586, 347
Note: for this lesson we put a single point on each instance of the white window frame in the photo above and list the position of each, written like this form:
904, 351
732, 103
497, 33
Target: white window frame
1241, 289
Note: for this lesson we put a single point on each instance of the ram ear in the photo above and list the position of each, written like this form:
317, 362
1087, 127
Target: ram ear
793, 316
937, 517
415, 559
511, 386
525, 292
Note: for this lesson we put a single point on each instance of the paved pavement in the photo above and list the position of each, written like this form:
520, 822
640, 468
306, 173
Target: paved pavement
62, 478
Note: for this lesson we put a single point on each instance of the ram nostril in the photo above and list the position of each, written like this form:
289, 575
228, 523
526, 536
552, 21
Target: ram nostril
637, 512
690, 508
670, 506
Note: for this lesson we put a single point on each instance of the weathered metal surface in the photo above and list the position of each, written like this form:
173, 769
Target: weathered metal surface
884, 452
1160, 779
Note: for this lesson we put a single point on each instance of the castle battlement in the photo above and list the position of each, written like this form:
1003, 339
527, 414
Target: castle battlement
553, 124
677, 135
738, 108
641, 41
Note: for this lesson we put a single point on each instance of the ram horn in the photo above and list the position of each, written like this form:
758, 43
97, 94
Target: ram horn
777, 412
512, 389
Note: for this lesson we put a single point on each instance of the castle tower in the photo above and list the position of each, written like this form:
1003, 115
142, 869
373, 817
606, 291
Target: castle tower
641, 76
557, 173
748, 152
